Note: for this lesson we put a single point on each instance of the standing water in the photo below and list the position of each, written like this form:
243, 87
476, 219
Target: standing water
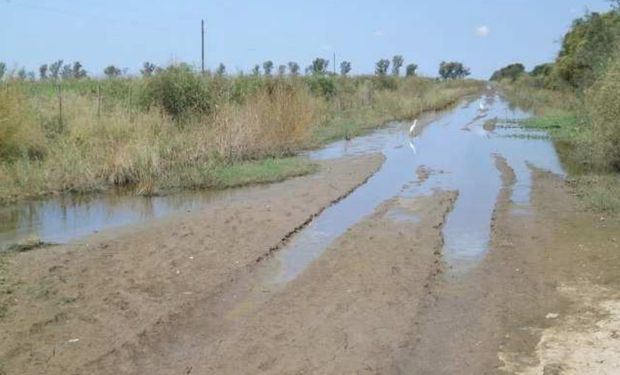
459, 146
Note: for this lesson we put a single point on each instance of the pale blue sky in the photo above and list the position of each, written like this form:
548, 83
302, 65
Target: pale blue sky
484, 34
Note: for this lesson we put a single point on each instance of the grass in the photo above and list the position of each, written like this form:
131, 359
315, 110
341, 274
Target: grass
260, 171
599, 192
565, 118
116, 132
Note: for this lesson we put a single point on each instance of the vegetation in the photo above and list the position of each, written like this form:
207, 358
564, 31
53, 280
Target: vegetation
173, 128
511, 72
577, 98
453, 70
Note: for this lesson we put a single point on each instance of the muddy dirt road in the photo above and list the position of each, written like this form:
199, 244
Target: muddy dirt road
458, 251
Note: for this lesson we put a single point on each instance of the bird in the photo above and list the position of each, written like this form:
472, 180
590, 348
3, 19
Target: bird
412, 128
481, 106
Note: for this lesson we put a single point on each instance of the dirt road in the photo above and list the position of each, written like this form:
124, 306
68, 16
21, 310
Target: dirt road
199, 293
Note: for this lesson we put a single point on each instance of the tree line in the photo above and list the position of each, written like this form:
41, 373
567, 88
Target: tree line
319, 66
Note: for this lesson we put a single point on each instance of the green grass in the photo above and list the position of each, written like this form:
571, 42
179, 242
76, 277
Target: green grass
572, 135
599, 192
261, 171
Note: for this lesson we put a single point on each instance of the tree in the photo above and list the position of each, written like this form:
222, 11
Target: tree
148, 69
411, 70
345, 68
542, 70
511, 72
453, 70
382, 66
318, 67
67, 71
78, 71
111, 71
43, 72
268, 67
221, 70
281, 70
2, 70
293, 68
256, 70
587, 48
21, 74
32, 75
55, 69
397, 63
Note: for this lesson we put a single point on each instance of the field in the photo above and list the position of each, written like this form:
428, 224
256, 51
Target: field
177, 130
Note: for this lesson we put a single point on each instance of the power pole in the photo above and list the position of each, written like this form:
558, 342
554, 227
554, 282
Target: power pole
202, 38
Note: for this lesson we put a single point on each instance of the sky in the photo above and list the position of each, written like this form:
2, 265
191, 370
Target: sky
483, 34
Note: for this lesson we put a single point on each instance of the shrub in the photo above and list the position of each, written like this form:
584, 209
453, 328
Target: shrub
20, 135
604, 108
178, 91
322, 85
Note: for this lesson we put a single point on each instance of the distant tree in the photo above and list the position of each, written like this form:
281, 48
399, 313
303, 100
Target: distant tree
55, 69
148, 69
221, 70
268, 67
67, 71
411, 69
256, 70
511, 72
453, 70
345, 68
2, 70
281, 70
319, 66
21, 74
78, 71
397, 63
382, 66
32, 76
43, 72
111, 71
293, 68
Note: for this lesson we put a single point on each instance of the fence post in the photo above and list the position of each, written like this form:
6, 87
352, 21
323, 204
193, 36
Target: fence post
98, 100
59, 90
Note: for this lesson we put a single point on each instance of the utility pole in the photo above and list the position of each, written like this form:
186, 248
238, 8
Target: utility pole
202, 38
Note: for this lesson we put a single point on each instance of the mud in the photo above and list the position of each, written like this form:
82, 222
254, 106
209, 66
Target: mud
110, 289
390, 293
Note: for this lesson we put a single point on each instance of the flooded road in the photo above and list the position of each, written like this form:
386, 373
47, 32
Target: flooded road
441, 252
455, 148
457, 153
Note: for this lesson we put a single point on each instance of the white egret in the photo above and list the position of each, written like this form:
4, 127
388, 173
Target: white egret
482, 108
412, 128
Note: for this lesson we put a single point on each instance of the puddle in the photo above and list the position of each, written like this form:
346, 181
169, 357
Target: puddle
65, 218
455, 143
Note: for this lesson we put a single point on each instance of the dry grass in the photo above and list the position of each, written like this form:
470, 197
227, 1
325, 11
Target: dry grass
142, 147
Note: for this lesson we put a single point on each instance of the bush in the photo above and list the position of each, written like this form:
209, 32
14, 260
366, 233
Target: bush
322, 85
603, 101
178, 91
20, 136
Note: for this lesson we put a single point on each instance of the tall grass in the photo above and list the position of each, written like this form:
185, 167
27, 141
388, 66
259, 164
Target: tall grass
180, 130
603, 103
